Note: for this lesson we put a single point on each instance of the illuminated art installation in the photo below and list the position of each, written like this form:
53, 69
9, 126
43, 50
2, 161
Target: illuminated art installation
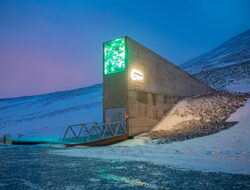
114, 56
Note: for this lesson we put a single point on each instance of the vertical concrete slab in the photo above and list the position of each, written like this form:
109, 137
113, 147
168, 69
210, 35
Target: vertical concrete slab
148, 99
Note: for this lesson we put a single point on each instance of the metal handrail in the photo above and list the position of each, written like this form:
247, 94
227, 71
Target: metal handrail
97, 128
107, 126
100, 129
83, 125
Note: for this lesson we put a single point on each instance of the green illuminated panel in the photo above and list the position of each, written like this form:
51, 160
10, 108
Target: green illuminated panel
114, 56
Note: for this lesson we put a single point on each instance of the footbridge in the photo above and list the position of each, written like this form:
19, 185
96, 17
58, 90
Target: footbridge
94, 134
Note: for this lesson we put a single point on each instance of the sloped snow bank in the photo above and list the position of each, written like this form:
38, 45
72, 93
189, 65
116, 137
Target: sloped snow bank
227, 151
196, 117
207, 108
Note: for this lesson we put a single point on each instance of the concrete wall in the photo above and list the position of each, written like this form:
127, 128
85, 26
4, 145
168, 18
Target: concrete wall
114, 94
115, 90
164, 84
146, 101
143, 115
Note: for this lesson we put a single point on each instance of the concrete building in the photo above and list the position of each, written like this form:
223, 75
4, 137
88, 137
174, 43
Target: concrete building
141, 85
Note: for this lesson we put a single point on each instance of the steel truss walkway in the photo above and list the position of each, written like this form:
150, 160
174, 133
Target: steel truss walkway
94, 134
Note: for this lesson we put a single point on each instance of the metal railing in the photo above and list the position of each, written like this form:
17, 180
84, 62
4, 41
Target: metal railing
101, 130
83, 127
107, 126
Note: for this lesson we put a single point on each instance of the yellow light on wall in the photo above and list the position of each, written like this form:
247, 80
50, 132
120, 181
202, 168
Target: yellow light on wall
136, 74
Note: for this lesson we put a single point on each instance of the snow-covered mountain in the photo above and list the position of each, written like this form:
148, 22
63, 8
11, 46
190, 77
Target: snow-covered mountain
50, 114
225, 67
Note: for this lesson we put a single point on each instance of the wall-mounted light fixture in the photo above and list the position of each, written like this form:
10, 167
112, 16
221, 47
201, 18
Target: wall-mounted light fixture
136, 74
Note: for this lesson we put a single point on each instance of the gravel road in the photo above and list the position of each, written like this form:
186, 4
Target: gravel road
34, 167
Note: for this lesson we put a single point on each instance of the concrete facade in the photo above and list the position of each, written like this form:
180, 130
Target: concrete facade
147, 100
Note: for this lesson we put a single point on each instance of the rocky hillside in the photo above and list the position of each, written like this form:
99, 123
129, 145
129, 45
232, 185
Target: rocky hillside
226, 65
196, 117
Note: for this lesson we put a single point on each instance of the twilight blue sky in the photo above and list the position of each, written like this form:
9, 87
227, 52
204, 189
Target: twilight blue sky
48, 46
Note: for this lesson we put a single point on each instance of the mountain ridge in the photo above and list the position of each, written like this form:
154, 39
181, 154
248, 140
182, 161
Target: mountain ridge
54, 93
242, 41
226, 65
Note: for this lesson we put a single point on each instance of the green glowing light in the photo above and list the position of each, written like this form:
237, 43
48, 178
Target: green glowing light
114, 56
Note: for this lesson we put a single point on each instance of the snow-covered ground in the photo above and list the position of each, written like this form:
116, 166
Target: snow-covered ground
227, 151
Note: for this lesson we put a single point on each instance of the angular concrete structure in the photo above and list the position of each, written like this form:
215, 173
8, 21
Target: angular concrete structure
142, 85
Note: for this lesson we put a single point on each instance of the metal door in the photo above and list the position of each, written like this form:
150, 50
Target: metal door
114, 115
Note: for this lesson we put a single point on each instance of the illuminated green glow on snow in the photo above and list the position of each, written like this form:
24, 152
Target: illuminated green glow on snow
114, 56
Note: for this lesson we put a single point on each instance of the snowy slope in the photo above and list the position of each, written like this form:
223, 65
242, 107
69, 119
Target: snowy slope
197, 116
226, 65
227, 151
235, 50
50, 114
